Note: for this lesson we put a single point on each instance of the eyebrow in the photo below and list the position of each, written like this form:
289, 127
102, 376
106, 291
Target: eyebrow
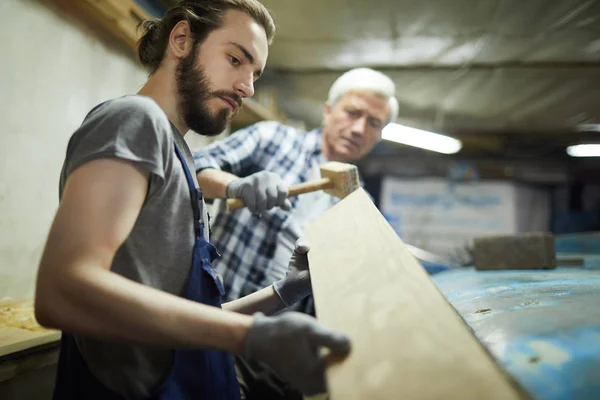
373, 117
249, 56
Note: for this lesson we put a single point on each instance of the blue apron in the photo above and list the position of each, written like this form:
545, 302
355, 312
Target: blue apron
196, 374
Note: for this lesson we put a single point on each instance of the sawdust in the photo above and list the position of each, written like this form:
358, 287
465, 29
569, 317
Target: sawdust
19, 315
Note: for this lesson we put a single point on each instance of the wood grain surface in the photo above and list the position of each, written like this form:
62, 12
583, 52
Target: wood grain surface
18, 328
407, 341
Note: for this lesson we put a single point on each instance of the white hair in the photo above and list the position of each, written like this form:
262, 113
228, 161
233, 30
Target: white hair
365, 79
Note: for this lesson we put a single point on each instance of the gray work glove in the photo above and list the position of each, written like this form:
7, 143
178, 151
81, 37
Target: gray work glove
296, 284
290, 344
260, 191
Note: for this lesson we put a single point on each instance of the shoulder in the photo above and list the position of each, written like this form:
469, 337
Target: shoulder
132, 107
133, 104
131, 127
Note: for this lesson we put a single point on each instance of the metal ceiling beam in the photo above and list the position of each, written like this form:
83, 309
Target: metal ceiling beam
532, 170
517, 65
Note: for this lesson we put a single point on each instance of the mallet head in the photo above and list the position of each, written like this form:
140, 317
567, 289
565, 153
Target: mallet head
344, 178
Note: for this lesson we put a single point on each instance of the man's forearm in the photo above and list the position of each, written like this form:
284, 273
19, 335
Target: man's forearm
214, 182
95, 302
265, 300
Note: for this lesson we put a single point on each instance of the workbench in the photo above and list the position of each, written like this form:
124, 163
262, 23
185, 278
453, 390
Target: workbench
28, 353
541, 326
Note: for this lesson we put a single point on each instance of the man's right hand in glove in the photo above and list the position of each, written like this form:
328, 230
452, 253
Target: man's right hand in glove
260, 191
290, 344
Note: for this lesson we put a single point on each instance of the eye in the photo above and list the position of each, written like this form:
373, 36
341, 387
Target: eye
375, 123
353, 113
234, 61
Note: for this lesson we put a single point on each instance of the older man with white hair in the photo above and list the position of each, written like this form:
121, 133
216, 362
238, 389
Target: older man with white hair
258, 164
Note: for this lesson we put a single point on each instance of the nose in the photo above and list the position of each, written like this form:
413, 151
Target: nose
244, 86
359, 126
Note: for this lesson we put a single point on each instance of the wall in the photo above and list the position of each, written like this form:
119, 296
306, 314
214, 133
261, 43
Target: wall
53, 71
443, 217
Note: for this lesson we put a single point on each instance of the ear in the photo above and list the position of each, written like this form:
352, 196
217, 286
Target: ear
180, 40
326, 114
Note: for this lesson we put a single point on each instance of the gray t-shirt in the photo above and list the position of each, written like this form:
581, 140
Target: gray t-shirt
158, 252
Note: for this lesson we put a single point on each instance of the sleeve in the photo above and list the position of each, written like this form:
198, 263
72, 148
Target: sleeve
239, 153
131, 128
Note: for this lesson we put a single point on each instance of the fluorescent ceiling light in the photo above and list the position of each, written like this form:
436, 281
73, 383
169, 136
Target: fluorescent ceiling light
584, 150
422, 139
588, 128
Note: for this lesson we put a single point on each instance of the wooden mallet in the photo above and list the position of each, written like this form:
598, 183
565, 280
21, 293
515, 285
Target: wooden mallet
338, 179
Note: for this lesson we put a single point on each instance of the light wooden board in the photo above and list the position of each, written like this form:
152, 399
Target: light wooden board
408, 342
19, 330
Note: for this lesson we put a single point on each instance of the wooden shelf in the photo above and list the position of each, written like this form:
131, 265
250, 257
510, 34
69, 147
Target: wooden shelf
120, 18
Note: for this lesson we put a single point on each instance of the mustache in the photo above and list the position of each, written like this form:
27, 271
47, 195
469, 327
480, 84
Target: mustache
232, 95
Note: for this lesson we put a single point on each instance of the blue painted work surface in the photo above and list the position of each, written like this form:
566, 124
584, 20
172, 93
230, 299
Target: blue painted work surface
542, 326
578, 243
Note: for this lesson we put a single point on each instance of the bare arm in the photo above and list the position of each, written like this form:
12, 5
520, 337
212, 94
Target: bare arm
214, 182
265, 300
77, 292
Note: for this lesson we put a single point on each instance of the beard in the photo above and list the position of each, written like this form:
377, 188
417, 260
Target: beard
193, 94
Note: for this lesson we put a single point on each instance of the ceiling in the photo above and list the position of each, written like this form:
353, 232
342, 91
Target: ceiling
512, 78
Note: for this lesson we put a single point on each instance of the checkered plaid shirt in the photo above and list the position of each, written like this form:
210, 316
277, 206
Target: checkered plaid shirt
247, 242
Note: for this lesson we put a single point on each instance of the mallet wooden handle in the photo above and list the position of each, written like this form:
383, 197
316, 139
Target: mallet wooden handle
306, 187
